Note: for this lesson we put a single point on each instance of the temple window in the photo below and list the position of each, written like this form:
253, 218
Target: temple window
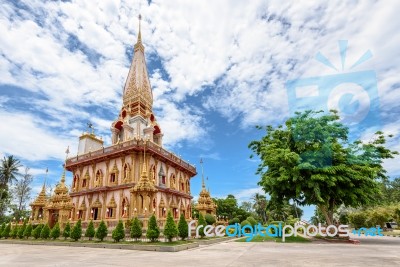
80, 214
76, 182
84, 183
112, 178
95, 213
124, 209
114, 175
164, 212
40, 213
98, 181
110, 212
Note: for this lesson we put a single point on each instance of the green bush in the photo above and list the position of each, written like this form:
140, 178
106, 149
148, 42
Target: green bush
344, 218
2, 227
378, 216
90, 232
45, 233
119, 232
14, 232
170, 230
136, 229
358, 219
6, 231
37, 230
21, 230
234, 221
55, 232
76, 232
251, 221
183, 229
153, 232
245, 222
102, 231
202, 222
28, 231
67, 231
210, 220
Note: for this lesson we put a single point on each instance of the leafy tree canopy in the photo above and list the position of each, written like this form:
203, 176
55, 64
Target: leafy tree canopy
310, 160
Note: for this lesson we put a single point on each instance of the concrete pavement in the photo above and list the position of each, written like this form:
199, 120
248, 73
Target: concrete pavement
373, 251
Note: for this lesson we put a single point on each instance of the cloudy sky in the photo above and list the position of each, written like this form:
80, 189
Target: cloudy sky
217, 68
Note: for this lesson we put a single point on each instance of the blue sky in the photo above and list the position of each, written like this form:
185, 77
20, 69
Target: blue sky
217, 68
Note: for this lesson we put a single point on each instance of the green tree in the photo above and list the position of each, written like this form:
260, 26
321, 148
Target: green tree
119, 232
245, 222
22, 191
183, 229
3, 226
55, 232
358, 219
247, 206
67, 231
251, 220
202, 222
45, 233
153, 232
101, 231
90, 232
311, 161
76, 232
170, 230
136, 229
36, 231
9, 170
260, 205
28, 231
14, 232
22, 230
6, 231
210, 220
234, 221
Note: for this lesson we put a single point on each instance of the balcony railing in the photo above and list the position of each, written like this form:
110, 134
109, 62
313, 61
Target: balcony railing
132, 144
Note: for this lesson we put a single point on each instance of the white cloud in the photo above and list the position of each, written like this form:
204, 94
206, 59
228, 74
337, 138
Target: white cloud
237, 57
246, 194
22, 137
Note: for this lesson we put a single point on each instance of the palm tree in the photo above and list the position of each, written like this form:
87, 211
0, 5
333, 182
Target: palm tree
9, 171
260, 205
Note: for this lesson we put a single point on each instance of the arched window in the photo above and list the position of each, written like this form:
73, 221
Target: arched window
98, 179
76, 182
172, 181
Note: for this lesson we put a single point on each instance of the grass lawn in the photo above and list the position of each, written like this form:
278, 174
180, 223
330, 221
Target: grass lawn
290, 239
394, 232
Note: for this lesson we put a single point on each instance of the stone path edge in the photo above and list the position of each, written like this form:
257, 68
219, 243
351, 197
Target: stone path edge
175, 248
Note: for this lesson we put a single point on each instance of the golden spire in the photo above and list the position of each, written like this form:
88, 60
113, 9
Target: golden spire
139, 40
203, 185
139, 45
66, 157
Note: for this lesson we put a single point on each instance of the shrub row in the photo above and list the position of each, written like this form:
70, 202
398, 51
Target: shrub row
25, 231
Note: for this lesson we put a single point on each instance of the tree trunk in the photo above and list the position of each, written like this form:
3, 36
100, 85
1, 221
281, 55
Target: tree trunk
328, 214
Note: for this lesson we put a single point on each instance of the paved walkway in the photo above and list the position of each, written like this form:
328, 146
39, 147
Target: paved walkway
373, 251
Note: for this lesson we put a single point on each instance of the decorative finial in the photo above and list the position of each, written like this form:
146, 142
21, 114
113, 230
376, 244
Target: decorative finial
202, 174
139, 34
65, 163
90, 126
45, 178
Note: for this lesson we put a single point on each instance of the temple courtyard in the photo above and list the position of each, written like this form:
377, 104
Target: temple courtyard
373, 251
